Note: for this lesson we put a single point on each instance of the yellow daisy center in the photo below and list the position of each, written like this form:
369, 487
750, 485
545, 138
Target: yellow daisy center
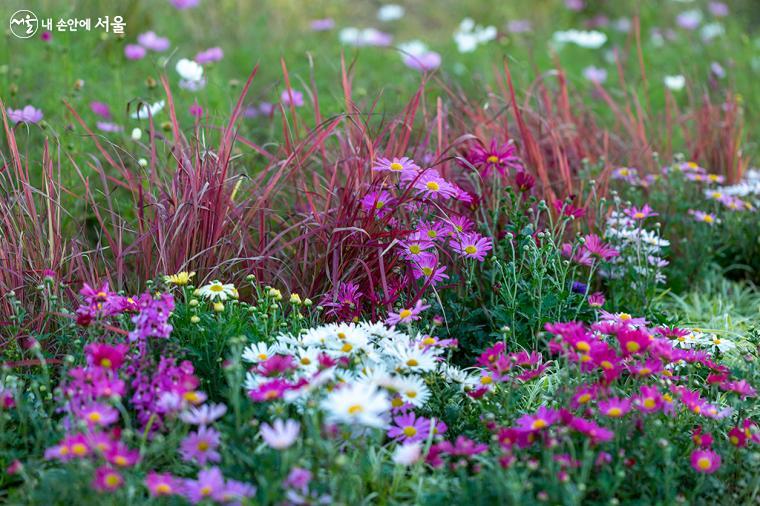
163, 489
493, 159
395, 166
216, 288
433, 186
470, 249
615, 412
112, 480
410, 431
412, 363
703, 463
632, 346
405, 313
355, 409
538, 424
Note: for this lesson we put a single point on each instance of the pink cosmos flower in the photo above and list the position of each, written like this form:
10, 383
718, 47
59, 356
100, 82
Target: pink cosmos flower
409, 428
542, 418
29, 114
101, 109
291, 96
614, 407
70, 447
281, 434
406, 315
398, 165
107, 126
705, 461
107, 479
595, 74
433, 186
201, 446
134, 52
472, 245
196, 110
322, 25
640, 214
184, 4
203, 415
210, 55
161, 485
149, 40
425, 62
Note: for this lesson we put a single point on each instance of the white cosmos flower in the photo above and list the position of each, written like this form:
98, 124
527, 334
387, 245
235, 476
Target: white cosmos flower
390, 12
258, 352
591, 39
469, 35
145, 111
218, 291
675, 83
189, 70
357, 403
280, 435
407, 454
413, 390
413, 47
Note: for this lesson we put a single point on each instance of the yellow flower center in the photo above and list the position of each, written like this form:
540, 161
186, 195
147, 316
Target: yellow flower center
644, 371
734, 440
203, 446
106, 362
538, 424
412, 363
584, 398
486, 380
585, 358
305, 361
632, 346
427, 271
708, 219
120, 460
405, 313
112, 480
355, 409
703, 463
649, 403
410, 431
397, 402
625, 316
470, 249
379, 204
206, 491
415, 249
411, 394
78, 449
263, 356
582, 346
493, 159
428, 341
606, 364
432, 234
346, 348
624, 172
395, 166
94, 416
614, 412
433, 186
163, 489
216, 288
639, 215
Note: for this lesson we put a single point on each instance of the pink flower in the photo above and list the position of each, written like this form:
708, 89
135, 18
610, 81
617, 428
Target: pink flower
106, 126
184, 4
541, 419
416, 246
472, 245
406, 315
149, 40
640, 214
705, 461
134, 52
322, 25
425, 62
398, 165
280, 435
591, 430
409, 428
496, 157
596, 299
427, 266
196, 110
101, 109
29, 114
107, 479
433, 186
568, 209
270, 390
209, 485
614, 407
160, 485
210, 55
649, 399
120, 455
377, 203
594, 245
291, 96
106, 355
99, 415
201, 446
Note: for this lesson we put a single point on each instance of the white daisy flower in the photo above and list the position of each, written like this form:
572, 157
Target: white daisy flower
357, 403
413, 390
258, 352
216, 290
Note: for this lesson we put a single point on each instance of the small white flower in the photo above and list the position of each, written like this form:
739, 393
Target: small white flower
413, 390
357, 403
189, 70
218, 291
407, 454
591, 39
280, 435
390, 12
145, 111
675, 83
258, 352
136, 134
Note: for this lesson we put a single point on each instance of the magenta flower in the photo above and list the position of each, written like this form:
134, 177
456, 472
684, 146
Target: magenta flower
704, 217
291, 96
196, 110
134, 52
270, 390
432, 230
184, 4
203, 415
595, 247
46, 36
322, 25
107, 479
568, 209
160, 485
718, 9
472, 245
298, 479
99, 415
406, 315
409, 428
705, 461
495, 157
399, 165
70, 447
649, 399
416, 246
433, 186
201, 446
596, 299
149, 40
463, 447
101, 109
614, 407
281, 434
106, 355
107, 126
427, 266
425, 62
210, 55
591, 430
541, 419
640, 214
235, 491
377, 203
209, 485
122, 456
29, 114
